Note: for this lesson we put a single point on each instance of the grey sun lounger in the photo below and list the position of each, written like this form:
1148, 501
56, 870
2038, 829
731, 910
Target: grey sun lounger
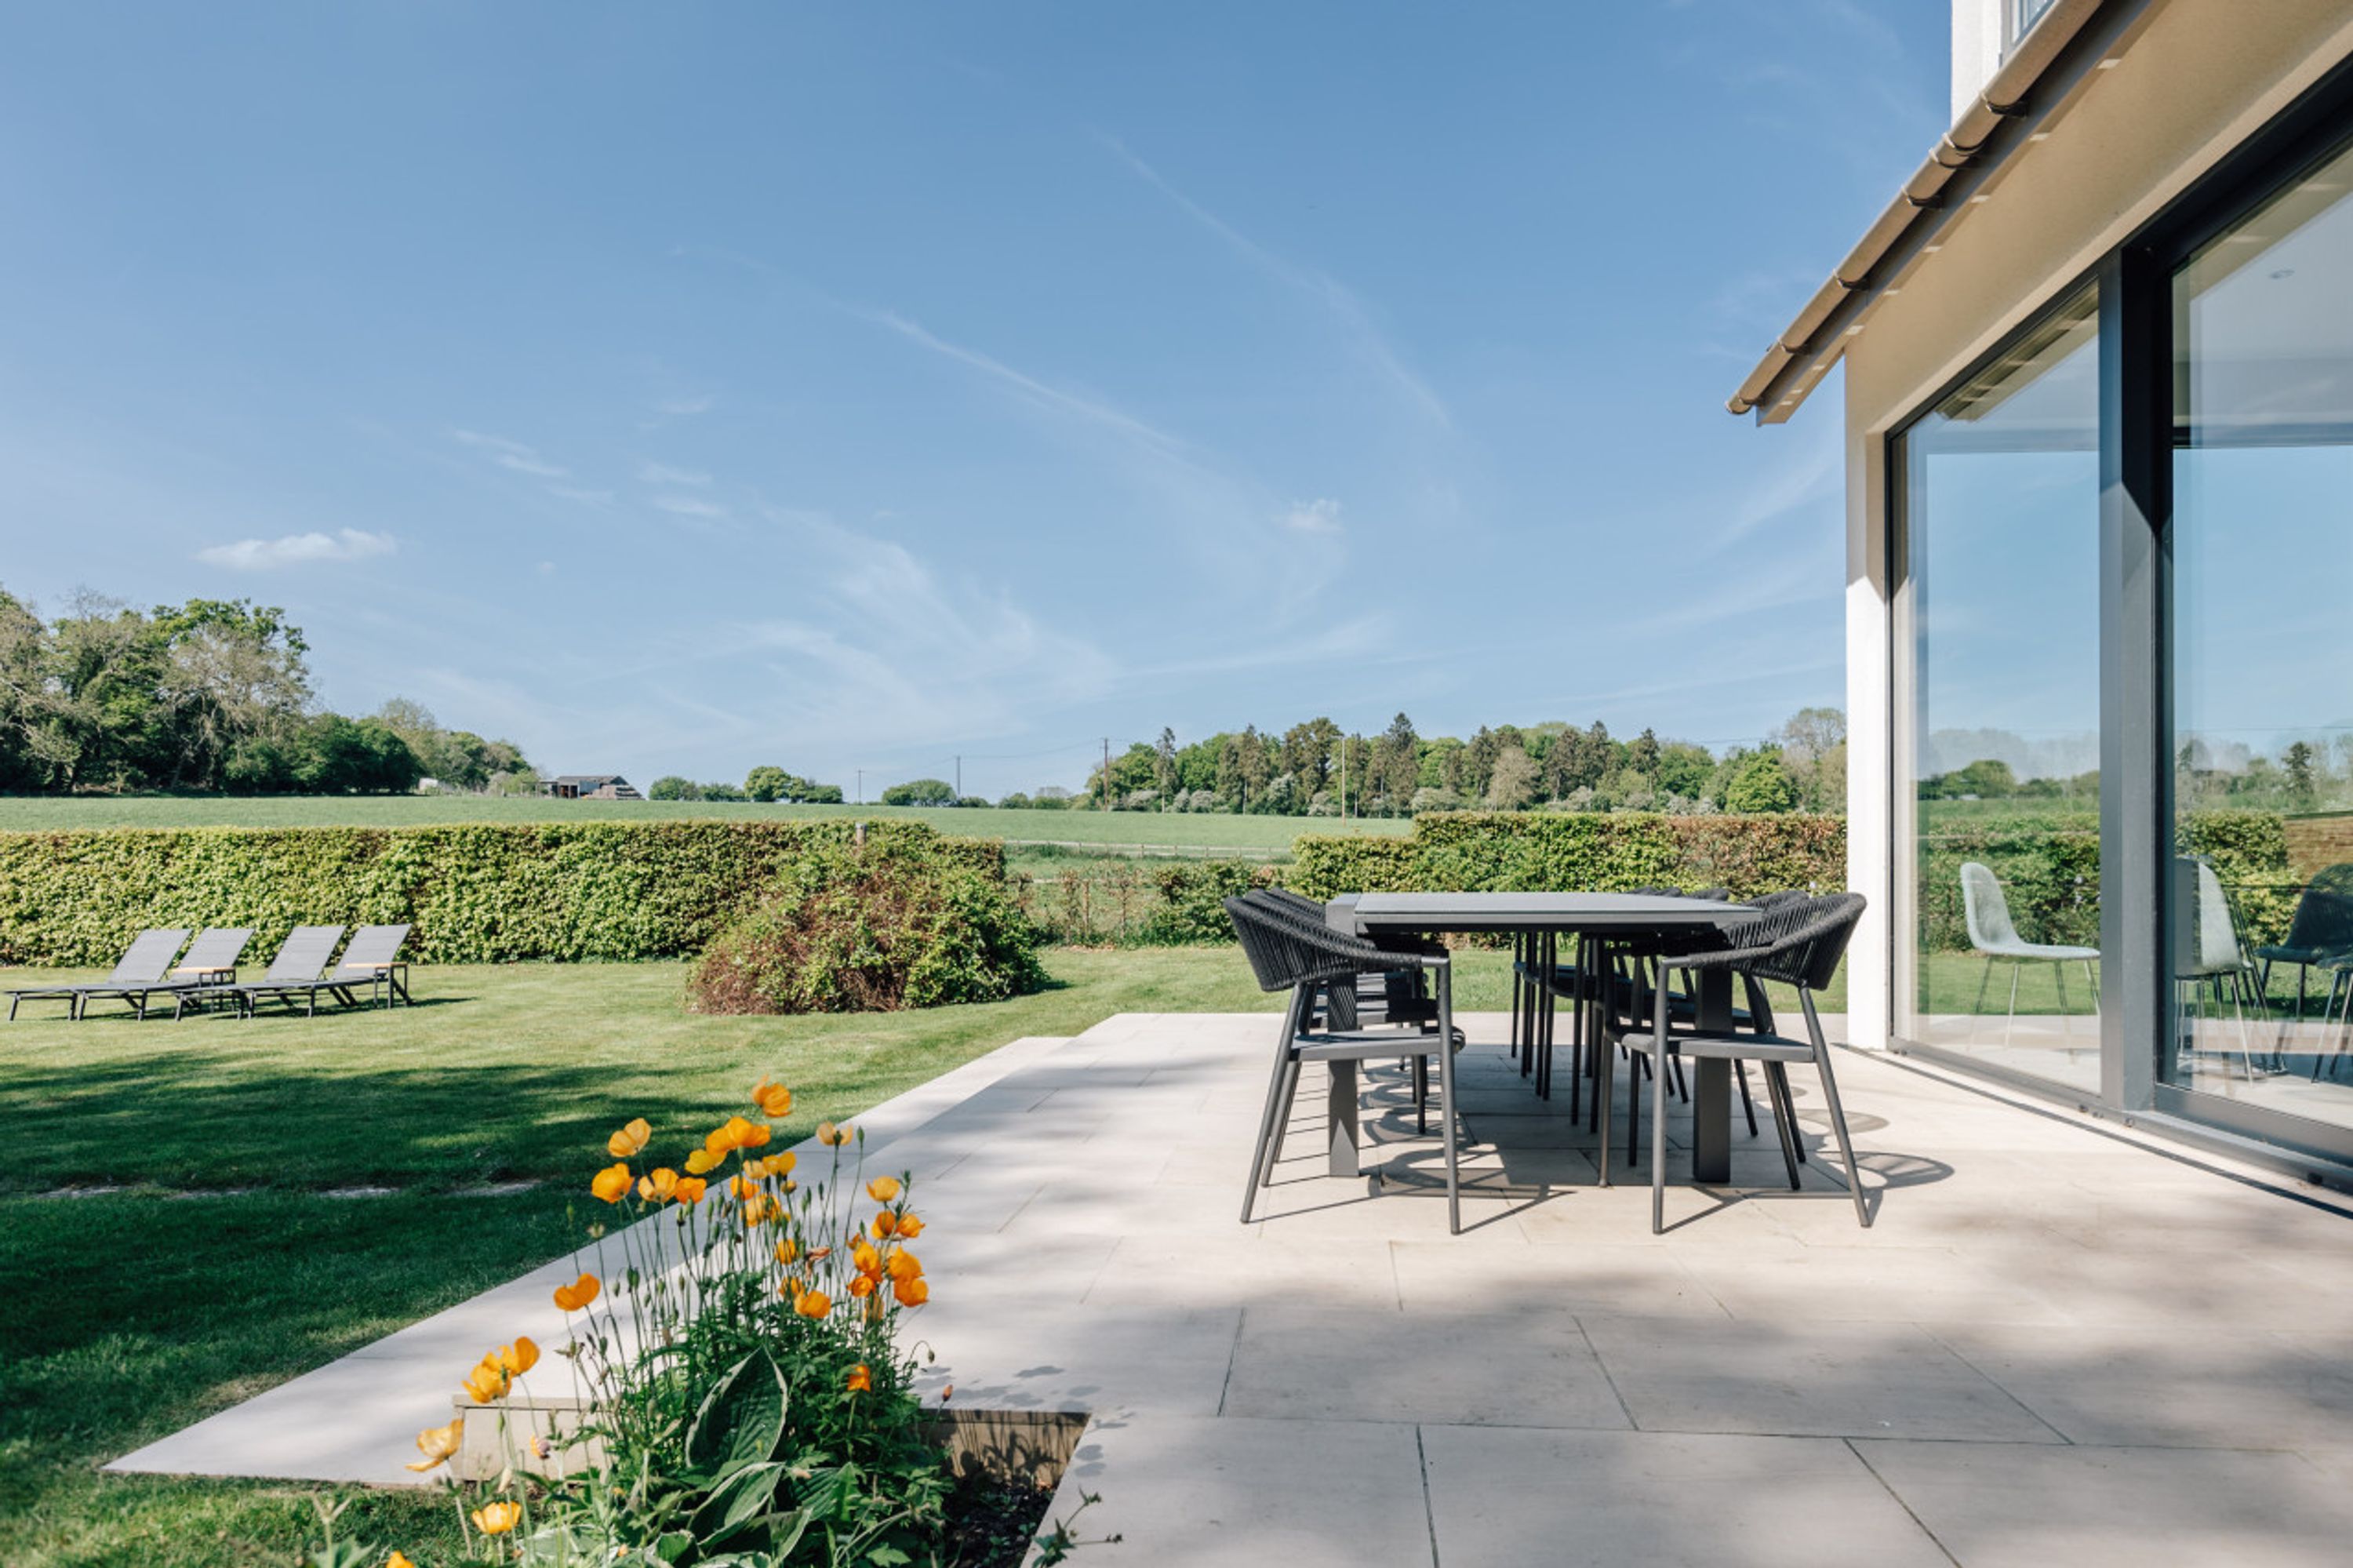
295, 971
373, 959
209, 966
139, 972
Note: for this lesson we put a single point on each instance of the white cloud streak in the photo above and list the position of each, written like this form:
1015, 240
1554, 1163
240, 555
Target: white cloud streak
689, 506
512, 455
1322, 517
1355, 322
662, 473
297, 550
1029, 387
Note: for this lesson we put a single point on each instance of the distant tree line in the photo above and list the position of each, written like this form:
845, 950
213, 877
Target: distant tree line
1312, 769
766, 784
212, 696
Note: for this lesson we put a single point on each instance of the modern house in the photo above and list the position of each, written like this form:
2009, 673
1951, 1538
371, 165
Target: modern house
2098, 363
589, 787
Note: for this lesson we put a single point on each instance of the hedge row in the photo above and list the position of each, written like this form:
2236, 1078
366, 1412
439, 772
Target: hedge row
1528, 851
484, 894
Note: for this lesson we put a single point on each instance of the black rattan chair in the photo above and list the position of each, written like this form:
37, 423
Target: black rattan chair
1798, 943
1290, 951
2321, 928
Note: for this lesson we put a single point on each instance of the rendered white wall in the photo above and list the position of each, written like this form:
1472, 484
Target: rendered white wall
1976, 48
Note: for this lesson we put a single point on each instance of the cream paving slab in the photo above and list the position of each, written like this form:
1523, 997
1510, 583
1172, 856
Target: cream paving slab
2004, 1506
1220, 1492
1802, 1378
1616, 1278
1476, 1367
1662, 1500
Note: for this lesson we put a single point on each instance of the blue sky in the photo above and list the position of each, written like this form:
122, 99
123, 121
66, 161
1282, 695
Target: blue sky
679, 388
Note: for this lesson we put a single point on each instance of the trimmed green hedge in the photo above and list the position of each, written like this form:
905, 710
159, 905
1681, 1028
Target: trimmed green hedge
1563, 852
478, 894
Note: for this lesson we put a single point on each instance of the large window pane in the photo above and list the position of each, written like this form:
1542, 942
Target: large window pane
1999, 645
2263, 652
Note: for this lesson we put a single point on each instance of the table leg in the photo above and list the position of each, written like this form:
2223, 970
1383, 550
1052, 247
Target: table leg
1711, 1083
1340, 1118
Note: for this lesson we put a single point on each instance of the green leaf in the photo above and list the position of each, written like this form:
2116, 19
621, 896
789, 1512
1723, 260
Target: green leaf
742, 1419
741, 1498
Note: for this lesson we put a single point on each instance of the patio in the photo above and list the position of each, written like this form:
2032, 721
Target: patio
2056, 1341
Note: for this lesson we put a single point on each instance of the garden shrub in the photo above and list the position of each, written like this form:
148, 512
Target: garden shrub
1564, 852
871, 928
485, 893
1192, 894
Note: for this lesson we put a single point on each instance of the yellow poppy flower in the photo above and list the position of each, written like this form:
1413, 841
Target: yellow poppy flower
882, 1189
910, 1292
702, 1161
756, 1136
905, 1264
660, 1187
909, 1227
516, 1358
629, 1139
398, 1559
775, 1100
438, 1443
861, 1285
781, 1163
612, 1183
787, 1250
860, 1379
690, 1189
487, 1382
812, 1304
579, 1293
498, 1518
744, 1188
864, 1258
759, 1209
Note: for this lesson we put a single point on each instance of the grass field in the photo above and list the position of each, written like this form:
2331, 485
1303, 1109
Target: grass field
1146, 830
244, 1201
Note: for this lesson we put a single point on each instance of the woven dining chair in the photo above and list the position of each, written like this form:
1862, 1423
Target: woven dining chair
1287, 951
1799, 944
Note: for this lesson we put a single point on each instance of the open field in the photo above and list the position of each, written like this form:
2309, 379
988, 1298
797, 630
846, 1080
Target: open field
1144, 830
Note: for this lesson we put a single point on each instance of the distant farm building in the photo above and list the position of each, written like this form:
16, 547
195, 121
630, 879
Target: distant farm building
589, 787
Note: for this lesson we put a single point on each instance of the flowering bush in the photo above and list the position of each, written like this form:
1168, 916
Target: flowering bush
735, 1354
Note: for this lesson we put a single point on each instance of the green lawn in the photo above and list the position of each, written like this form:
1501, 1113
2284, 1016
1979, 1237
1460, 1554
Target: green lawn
1147, 829
222, 1262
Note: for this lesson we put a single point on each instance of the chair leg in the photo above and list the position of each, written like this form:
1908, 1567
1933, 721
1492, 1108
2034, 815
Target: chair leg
2008, 1023
1266, 1122
1785, 1121
1777, 1076
1740, 1071
1446, 1101
1634, 1108
1605, 1089
1659, 1111
1837, 1110
1978, 1011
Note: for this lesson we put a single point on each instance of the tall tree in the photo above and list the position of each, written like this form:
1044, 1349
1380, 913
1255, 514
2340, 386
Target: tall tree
1164, 768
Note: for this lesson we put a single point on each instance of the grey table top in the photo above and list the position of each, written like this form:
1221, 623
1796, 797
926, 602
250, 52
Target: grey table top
1360, 912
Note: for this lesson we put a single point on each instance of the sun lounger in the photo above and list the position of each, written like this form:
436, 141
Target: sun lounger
142, 971
371, 959
209, 967
295, 971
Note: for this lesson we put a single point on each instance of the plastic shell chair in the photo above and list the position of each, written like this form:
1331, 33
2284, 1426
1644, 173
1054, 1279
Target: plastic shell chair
2209, 953
1987, 912
2321, 929
1305, 956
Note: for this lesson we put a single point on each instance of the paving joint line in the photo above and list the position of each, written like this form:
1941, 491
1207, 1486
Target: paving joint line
1898, 1499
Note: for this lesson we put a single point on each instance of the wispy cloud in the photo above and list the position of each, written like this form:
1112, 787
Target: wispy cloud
585, 497
1322, 517
689, 506
686, 406
1363, 334
297, 550
1092, 409
662, 473
511, 455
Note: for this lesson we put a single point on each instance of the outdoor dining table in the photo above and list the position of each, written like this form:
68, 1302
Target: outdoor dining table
1548, 916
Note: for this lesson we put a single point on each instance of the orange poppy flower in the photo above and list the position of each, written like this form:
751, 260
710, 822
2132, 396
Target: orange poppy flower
860, 1379
759, 1209
787, 1250
742, 1188
828, 1133
579, 1293
812, 1304
861, 1285
884, 1223
690, 1189
909, 1227
498, 1518
910, 1292
438, 1443
516, 1358
882, 1189
905, 1264
702, 1161
660, 1187
864, 1258
612, 1183
777, 1164
398, 1559
629, 1139
775, 1100
756, 1136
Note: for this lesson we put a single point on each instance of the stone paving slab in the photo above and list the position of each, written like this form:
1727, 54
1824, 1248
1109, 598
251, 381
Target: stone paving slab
2057, 1342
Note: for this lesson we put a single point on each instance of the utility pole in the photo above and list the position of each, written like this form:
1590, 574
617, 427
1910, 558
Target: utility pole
1106, 774
1344, 777
861, 786
959, 780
